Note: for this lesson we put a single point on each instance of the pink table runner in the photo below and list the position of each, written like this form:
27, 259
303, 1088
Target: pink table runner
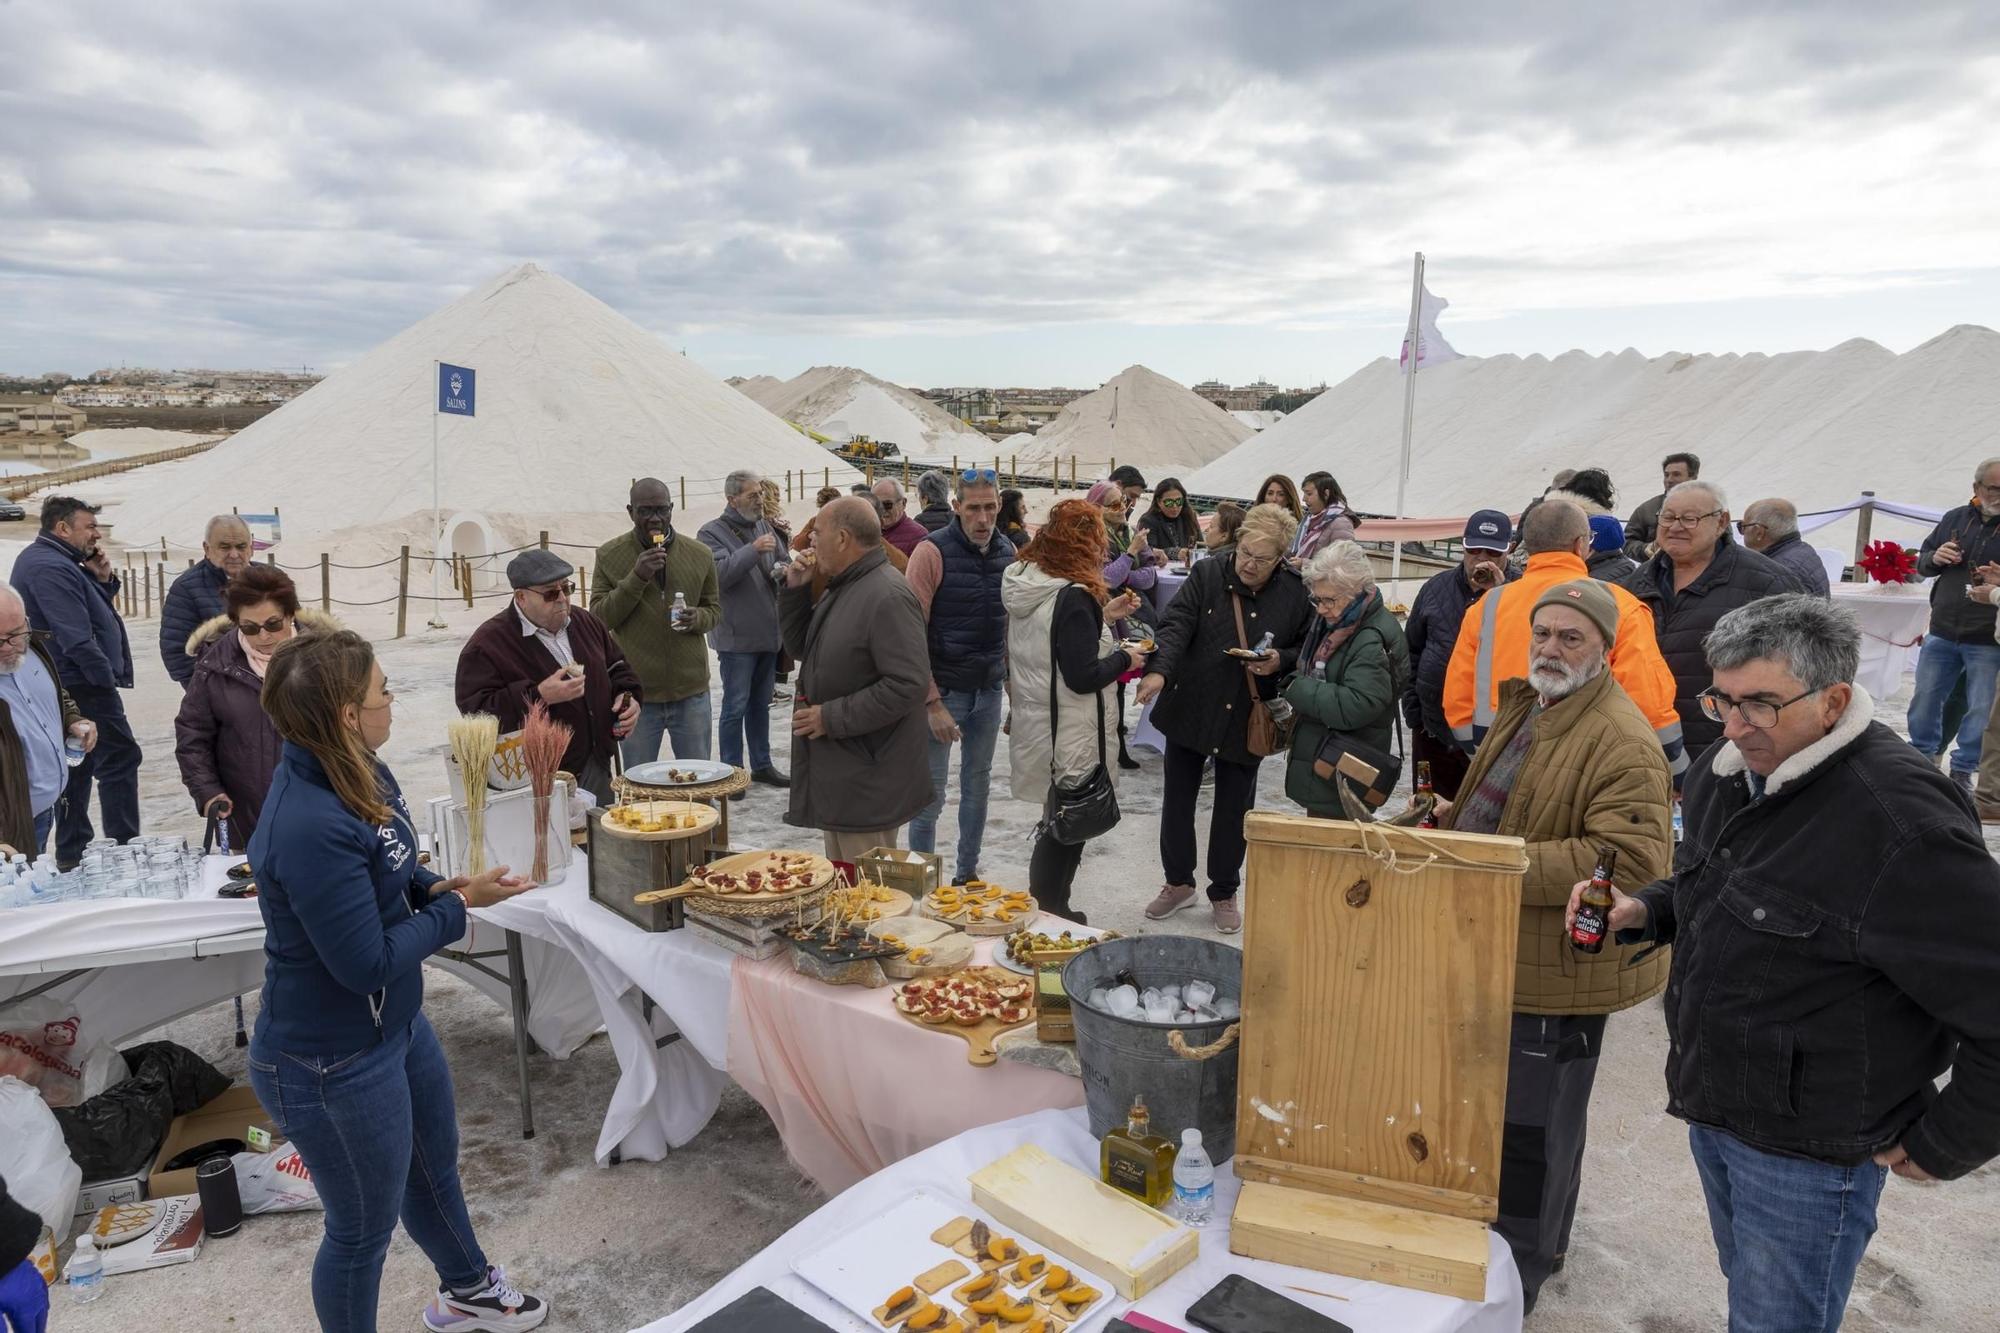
853, 1086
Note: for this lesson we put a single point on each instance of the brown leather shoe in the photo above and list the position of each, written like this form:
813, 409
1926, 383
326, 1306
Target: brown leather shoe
1988, 813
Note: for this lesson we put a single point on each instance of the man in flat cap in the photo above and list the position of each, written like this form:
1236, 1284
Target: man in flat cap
541, 647
1570, 766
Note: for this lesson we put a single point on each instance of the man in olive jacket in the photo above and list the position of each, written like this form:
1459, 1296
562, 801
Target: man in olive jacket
860, 730
1571, 766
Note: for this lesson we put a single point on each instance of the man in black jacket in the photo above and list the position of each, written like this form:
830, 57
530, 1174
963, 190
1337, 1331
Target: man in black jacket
1698, 575
1432, 631
1835, 918
196, 595
1960, 642
1643, 528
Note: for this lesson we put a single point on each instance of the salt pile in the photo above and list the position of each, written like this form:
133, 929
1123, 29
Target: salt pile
574, 401
841, 402
1816, 428
1139, 417
1259, 420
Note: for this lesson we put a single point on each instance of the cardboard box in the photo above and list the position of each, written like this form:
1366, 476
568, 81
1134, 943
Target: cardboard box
175, 1239
229, 1116
98, 1194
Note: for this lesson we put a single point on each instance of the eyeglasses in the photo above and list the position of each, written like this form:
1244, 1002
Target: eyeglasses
652, 511
1244, 557
557, 593
887, 506
1744, 525
17, 638
1759, 713
271, 626
1685, 520
1571, 640
979, 474
1330, 603
1173, 502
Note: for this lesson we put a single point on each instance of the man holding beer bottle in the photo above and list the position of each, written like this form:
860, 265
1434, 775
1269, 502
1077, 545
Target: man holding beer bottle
1574, 769
1836, 922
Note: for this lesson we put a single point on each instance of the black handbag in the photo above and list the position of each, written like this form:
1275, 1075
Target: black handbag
1077, 811
1371, 772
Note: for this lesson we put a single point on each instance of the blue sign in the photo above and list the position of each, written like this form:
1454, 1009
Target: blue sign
455, 389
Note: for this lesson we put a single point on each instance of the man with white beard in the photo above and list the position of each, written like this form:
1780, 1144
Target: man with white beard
1573, 768
37, 722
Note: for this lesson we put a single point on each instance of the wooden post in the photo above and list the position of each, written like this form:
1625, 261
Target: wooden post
146, 581
465, 579
1014, 461
684, 490
543, 540
325, 583
403, 594
871, 476
1864, 526
954, 464
583, 585
826, 476
1114, 466
1072, 471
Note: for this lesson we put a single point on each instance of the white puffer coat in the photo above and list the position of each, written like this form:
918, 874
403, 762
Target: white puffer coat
1029, 594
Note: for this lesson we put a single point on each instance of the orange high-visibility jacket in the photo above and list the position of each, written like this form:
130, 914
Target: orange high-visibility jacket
1493, 646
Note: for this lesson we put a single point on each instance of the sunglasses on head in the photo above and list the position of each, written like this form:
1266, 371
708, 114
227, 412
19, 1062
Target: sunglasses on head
271, 626
552, 594
979, 474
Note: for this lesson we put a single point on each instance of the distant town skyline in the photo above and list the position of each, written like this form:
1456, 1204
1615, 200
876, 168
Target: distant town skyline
1033, 195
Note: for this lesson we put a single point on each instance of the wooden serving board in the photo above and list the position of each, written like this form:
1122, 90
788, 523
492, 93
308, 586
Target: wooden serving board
813, 877
705, 818
987, 927
981, 1035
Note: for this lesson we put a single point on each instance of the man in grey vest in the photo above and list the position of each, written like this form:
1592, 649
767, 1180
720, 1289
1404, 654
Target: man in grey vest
955, 573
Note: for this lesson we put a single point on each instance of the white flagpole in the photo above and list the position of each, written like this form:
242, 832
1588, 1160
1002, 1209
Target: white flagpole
437, 509
1409, 418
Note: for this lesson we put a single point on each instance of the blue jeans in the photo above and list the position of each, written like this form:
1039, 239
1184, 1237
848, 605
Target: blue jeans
379, 1133
113, 764
1789, 1232
683, 721
977, 713
1939, 665
43, 823
747, 681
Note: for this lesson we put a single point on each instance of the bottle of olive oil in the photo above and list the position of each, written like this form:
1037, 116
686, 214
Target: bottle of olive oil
1138, 1161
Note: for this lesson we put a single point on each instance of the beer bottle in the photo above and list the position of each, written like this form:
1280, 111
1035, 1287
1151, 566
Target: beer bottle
1424, 788
1593, 913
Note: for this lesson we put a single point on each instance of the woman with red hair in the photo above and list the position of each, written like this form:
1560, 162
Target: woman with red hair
1062, 672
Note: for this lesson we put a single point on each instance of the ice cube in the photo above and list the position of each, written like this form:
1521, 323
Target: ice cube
1149, 996
1123, 1001
1172, 993
1161, 1010
1198, 993
1228, 1010
1099, 999
1186, 1016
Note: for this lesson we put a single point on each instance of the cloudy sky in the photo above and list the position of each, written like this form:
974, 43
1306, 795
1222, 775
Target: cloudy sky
1030, 193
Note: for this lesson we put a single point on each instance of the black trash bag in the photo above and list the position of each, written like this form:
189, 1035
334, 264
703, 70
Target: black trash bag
117, 1132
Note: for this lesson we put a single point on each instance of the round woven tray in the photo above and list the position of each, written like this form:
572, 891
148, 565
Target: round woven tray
628, 791
806, 902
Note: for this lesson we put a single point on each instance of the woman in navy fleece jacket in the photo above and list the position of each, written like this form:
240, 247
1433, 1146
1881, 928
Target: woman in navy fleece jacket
343, 1057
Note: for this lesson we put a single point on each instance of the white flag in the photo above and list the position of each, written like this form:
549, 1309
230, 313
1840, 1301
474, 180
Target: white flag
1432, 349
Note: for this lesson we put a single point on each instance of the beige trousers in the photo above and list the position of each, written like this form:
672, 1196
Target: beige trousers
850, 847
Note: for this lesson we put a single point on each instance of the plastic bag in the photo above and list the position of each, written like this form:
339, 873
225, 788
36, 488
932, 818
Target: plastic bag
275, 1181
34, 1160
117, 1132
42, 1043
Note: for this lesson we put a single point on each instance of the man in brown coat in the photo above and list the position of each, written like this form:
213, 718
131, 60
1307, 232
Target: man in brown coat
860, 732
1570, 766
541, 647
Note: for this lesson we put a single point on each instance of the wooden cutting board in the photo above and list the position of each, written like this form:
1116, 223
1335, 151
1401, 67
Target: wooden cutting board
981, 1035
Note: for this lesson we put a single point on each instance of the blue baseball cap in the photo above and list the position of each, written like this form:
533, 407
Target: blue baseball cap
1489, 530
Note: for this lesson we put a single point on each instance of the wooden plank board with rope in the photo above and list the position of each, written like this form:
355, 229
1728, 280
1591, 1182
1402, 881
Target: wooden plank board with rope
1375, 1025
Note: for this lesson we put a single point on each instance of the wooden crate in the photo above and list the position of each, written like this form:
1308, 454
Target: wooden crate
1062, 1209
1376, 1017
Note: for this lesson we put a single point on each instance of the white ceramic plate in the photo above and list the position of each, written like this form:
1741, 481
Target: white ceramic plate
1001, 958
656, 774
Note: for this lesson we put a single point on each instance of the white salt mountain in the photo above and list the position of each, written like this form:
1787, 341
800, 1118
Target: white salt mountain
1139, 417
574, 400
841, 402
1816, 428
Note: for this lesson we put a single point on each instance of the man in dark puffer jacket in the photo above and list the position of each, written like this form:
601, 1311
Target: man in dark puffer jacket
1431, 632
196, 595
1698, 576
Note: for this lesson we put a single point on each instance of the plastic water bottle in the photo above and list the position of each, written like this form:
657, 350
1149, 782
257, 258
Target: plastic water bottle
1194, 1181
1677, 823
86, 1270
680, 609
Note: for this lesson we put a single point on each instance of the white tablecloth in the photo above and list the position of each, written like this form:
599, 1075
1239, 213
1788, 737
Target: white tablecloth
147, 962
1893, 620
943, 1170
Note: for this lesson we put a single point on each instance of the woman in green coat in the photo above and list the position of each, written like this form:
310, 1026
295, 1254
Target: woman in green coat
1351, 671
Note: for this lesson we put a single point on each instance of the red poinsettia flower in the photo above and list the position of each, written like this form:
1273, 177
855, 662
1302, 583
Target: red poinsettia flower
1887, 562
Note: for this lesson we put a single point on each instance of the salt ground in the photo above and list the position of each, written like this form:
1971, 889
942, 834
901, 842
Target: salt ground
842, 402
125, 441
614, 1248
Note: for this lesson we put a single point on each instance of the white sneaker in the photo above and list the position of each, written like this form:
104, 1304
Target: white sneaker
498, 1307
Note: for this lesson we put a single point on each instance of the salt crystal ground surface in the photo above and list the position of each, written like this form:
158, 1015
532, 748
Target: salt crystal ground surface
125, 441
1816, 428
616, 1248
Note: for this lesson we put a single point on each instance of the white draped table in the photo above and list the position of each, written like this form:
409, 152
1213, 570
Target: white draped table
1893, 620
1366, 1307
